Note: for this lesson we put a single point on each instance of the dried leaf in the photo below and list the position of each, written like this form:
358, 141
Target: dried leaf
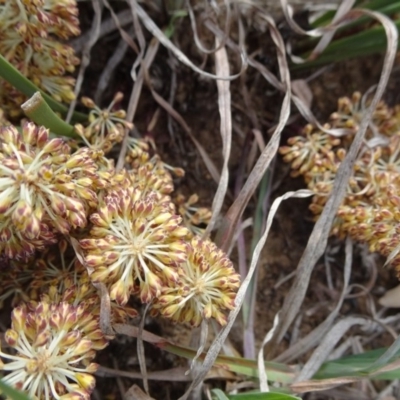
135, 393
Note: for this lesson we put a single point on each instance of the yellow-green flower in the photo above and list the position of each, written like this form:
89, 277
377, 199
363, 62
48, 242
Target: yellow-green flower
206, 287
51, 356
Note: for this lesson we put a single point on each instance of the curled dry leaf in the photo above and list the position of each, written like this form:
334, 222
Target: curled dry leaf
391, 298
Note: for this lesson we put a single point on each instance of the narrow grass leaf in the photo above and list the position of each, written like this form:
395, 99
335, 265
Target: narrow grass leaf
160, 35
276, 372
224, 107
218, 394
321, 353
25, 86
315, 336
263, 396
85, 58
12, 393
231, 219
260, 359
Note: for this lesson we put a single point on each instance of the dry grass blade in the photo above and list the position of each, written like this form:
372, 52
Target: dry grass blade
173, 375
232, 217
134, 331
94, 36
323, 384
177, 374
109, 69
288, 12
222, 335
260, 359
135, 393
198, 340
109, 25
140, 350
224, 106
196, 36
135, 95
159, 34
140, 37
322, 352
314, 337
119, 24
105, 310
268, 76
319, 236
174, 114
343, 9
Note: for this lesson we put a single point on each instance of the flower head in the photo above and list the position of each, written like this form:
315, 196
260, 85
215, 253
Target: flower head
310, 150
52, 356
195, 218
369, 211
206, 287
136, 241
106, 127
60, 277
351, 111
44, 190
30, 40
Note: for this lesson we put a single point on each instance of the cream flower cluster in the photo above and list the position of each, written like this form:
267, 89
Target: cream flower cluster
369, 212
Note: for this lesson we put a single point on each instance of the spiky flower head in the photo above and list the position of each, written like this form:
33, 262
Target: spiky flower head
60, 277
206, 287
106, 127
44, 190
30, 39
52, 357
136, 240
195, 218
135, 148
376, 223
312, 149
369, 211
351, 111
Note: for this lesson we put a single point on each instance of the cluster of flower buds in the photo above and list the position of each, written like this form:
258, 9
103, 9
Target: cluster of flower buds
106, 127
369, 210
30, 39
133, 242
71, 225
52, 356
45, 190
195, 218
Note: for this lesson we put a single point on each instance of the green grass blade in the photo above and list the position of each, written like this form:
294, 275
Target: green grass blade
12, 393
218, 394
376, 5
361, 44
276, 372
391, 354
263, 396
39, 112
361, 365
24, 85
